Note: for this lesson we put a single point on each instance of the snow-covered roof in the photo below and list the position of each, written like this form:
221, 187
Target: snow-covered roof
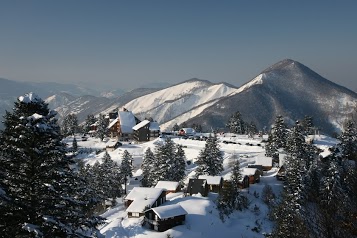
211, 180
142, 197
112, 123
168, 185
29, 97
154, 126
248, 171
264, 161
127, 121
168, 211
140, 125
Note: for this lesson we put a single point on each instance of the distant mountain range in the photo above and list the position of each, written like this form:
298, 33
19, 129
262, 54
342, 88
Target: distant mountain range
287, 88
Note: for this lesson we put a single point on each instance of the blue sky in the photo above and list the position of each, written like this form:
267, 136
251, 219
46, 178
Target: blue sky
127, 44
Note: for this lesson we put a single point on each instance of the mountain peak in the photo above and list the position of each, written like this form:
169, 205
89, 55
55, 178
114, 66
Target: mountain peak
282, 65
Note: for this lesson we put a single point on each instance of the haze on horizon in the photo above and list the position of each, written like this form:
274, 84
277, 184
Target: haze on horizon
128, 44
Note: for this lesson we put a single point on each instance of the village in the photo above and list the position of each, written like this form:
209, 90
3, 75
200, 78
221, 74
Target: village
170, 205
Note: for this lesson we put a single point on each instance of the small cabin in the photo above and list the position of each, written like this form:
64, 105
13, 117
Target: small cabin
169, 186
112, 145
165, 217
215, 183
253, 174
141, 199
196, 186
244, 183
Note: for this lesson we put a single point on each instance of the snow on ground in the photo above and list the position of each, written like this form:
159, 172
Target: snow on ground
202, 219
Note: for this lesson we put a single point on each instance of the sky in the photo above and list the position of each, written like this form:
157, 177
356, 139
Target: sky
128, 44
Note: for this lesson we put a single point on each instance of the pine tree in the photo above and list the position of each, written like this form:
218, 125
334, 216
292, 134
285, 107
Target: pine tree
230, 199
277, 138
74, 145
126, 167
210, 159
102, 130
348, 144
90, 120
164, 165
236, 124
147, 167
179, 166
175, 127
308, 125
69, 125
37, 177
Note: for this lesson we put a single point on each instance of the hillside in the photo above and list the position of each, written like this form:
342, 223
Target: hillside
288, 88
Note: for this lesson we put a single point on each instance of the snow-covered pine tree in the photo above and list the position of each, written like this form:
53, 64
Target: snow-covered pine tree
45, 195
236, 124
307, 125
277, 138
210, 159
164, 162
179, 166
230, 199
112, 178
69, 125
102, 129
147, 167
348, 142
90, 120
126, 167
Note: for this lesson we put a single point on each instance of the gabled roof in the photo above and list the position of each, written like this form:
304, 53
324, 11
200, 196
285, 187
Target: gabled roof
140, 125
112, 123
211, 180
142, 198
248, 171
168, 211
168, 185
127, 121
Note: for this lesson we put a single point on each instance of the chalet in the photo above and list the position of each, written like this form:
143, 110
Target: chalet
214, 183
141, 199
196, 186
122, 126
146, 131
253, 174
165, 217
169, 186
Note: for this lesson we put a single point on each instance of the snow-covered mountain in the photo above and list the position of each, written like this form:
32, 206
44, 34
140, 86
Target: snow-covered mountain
188, 98
82, 106
287, 88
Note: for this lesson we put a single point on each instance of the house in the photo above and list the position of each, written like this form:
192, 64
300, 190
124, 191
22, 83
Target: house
262, 163
244, 183
146, 131
165, 217
253, 174
112, 145
169, 186
186, 132
196, 186
141, 199
215, 183
122, 126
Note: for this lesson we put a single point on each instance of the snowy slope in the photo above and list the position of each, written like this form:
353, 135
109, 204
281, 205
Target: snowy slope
166, 104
